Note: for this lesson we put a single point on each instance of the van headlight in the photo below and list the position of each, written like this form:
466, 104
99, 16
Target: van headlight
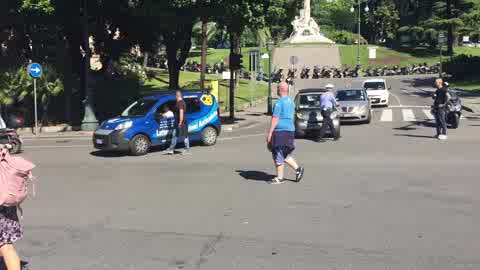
124, 125
301, 116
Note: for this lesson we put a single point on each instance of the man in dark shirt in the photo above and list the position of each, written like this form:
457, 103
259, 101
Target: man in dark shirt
439, 107
181, 125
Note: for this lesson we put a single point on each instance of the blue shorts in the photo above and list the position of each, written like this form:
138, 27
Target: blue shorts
280, 153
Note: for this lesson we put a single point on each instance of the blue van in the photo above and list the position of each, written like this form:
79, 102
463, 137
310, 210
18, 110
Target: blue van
141, 126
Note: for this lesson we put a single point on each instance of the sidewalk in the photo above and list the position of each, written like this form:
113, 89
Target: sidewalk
245, 118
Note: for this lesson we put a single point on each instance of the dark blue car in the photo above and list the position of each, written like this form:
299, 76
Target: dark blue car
141, 126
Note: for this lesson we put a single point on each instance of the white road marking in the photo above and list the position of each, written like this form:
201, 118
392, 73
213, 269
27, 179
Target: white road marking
57, 146
387, 116
62, 139
409, 106
429, 114
398, 100
408, 115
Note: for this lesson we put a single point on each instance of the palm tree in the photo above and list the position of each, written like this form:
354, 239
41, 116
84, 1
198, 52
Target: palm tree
16, 85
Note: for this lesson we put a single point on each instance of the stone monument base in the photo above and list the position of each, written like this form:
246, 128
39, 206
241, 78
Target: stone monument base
312, 39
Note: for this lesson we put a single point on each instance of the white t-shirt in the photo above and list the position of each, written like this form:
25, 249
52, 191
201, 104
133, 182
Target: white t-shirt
168, 114
2, 123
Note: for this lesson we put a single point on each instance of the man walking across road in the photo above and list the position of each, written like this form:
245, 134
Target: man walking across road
327, 104
439, 108
281, 135
181, 126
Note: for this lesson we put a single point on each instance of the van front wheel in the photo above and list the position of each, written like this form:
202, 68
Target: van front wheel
139, 145
209, 136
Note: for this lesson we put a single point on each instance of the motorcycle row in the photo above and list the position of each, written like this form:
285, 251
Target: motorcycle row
348, 72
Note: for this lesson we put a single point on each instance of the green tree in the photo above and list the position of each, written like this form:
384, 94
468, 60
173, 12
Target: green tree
13, 82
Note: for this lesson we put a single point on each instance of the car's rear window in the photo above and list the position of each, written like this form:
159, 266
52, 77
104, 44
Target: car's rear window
374, 85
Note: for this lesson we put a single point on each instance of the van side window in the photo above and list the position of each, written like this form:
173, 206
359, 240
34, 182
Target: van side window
171, 105
193, 105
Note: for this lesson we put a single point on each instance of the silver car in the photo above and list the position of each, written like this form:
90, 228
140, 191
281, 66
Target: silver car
355, 107
308, 117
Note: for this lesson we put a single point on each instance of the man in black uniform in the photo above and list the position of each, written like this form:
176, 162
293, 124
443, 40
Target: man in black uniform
441, 98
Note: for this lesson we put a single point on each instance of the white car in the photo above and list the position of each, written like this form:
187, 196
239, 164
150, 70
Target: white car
377, 91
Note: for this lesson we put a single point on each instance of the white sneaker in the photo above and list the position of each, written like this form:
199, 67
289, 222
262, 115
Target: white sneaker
442, 137
277, 181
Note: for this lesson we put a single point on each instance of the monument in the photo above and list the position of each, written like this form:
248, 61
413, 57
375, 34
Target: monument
305, 29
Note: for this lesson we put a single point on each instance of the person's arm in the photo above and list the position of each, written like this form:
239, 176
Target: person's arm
181, 115
273, 125
274, 122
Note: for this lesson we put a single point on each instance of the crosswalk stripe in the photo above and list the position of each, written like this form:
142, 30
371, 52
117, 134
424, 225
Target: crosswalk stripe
387, 116
408, 116
429, 114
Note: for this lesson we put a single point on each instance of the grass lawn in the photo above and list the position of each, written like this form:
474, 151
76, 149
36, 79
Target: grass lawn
246, 92
386, 56
468, 84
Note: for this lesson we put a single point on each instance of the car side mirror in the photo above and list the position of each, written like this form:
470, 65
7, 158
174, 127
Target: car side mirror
389, 88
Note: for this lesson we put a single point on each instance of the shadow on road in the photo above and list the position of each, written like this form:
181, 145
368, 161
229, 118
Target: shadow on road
106, 154
255, 175
421, 82
413, 125
415, 136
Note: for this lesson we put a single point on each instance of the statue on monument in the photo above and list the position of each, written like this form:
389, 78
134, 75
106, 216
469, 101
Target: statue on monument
305, 28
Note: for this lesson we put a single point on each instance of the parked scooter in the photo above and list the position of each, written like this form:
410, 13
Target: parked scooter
454, 110
10, 136
305, 74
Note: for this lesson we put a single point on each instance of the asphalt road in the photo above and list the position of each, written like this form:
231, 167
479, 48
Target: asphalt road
386, 196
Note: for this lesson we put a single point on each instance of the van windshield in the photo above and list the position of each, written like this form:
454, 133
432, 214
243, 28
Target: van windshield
139, 108
374, 85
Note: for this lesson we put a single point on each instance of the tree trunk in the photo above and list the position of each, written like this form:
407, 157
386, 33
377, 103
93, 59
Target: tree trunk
178, 46
449, 29
204, 53
145, 59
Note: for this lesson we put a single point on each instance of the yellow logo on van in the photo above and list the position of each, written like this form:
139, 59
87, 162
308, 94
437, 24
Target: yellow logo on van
207, 100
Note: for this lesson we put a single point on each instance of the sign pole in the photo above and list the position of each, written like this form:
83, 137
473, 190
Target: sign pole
35, 104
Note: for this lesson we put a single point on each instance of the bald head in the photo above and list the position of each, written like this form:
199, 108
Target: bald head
283, 89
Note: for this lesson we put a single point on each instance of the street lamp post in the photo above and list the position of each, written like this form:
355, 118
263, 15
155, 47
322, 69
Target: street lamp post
270, 47
89, 122
359, 21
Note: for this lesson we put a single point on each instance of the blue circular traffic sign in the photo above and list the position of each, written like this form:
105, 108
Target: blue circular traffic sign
35, 70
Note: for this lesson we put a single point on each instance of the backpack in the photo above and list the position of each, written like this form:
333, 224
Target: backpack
15, 172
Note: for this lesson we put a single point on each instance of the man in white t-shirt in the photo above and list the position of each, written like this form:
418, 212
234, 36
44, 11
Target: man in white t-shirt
167, 113
2, 123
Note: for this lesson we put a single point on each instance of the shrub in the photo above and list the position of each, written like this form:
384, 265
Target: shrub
345, 37
463, 67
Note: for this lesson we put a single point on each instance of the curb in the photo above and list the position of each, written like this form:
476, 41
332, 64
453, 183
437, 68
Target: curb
56, 135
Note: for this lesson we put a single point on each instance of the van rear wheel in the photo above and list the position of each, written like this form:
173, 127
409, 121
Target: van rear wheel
209, 136
139, 145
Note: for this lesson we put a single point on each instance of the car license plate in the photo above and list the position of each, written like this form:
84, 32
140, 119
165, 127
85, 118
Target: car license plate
347, 115
99, 141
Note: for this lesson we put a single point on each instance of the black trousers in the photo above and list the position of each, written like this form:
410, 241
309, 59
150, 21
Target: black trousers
327, 124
